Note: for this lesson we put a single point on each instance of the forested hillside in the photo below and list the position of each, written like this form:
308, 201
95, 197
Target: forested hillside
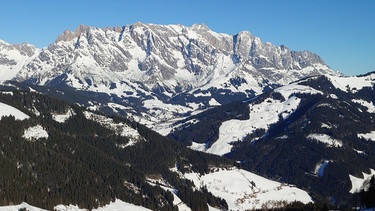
316, 133
81, 161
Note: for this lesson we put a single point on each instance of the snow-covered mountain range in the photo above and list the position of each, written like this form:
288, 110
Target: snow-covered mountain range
279, 113
157, 73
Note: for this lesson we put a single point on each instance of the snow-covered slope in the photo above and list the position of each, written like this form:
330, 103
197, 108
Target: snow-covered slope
358, 183
113, 158
312, 133
354, 83
262, 116
34, 133
160, 72
7, 110
14, 57
113, 206
244, 190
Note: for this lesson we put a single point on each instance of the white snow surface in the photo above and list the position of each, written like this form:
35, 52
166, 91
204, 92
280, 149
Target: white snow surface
357, 182
7, 110
35, 133
213, 102
198, 146
120, 205
352, 84
6, 93
20, 206
326, 139
235, 186
63, 117
290, 89
261, 117
369, 105
368, 136
17, 58
117, 205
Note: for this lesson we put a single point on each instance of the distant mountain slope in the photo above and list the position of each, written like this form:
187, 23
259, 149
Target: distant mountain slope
157, 73
314, 133
62, 154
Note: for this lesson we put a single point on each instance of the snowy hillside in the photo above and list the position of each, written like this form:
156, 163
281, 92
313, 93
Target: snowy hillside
7, 110
313, 133
113, 206
78, 159
262, 116
246, 191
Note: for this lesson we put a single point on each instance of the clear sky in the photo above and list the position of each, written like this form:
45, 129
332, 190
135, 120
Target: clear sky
342, 32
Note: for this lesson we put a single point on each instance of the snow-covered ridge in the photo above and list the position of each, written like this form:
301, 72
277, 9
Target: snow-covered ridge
352, 84
288, 90
262, 115
163, 61
63, 117
245, 191
113, 206
14, 57
326, 139
369, 105
7, 110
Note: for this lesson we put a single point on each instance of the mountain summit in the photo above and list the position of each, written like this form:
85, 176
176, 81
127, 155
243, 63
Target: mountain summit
167, 67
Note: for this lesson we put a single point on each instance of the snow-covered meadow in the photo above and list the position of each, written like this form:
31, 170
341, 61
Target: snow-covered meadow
244, 190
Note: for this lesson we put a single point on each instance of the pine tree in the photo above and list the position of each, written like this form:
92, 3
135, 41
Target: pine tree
368, 197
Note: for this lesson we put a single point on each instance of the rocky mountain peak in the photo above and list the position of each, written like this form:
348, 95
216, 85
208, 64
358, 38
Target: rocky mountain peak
66, 36
200, 27
171, 63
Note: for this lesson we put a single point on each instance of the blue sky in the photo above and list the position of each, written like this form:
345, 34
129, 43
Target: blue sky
342, 32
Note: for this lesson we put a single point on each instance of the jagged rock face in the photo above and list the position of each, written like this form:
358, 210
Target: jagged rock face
153, 54
13, 58
173, 63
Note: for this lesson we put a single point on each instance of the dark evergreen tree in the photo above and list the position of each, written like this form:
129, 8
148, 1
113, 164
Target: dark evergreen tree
368, 196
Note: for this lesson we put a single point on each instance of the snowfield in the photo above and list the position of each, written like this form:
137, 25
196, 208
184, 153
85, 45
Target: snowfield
368, 136
352, 84
357, 182
7, 110
369, 105
244, 190
21, 206
35, 133
261, 117
288, 90
326, 139
63, 117
117, 205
